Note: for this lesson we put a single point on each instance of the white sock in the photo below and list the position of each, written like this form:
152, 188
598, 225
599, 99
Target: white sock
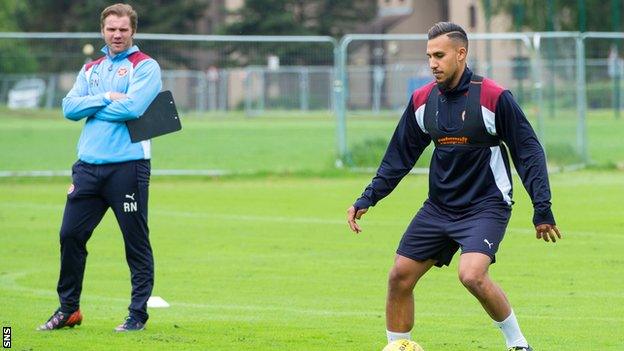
511, 331
392, 336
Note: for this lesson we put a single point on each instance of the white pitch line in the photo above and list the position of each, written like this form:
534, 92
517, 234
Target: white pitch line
287, 219
154, 172
9, 282
252, 218
219, 216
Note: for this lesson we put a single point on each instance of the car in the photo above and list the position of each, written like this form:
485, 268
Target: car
26, 93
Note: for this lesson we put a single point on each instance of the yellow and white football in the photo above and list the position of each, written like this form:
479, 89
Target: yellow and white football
403, 345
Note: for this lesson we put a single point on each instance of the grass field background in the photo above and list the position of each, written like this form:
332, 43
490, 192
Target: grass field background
274, 143
266, 262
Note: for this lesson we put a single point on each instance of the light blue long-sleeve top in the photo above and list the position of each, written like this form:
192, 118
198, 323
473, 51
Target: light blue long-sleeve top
105, 137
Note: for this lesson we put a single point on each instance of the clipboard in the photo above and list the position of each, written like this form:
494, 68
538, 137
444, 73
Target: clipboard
160, 118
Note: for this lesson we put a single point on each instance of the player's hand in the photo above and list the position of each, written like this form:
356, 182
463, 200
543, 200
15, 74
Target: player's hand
547, 232
117, 96
352, 215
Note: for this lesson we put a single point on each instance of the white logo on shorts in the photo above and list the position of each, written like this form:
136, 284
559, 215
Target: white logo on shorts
489, 244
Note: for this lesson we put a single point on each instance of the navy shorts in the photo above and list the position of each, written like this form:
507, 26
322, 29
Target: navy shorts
437, 234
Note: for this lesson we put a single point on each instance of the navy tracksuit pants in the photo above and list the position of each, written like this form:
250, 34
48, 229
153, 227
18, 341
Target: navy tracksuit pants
123, 187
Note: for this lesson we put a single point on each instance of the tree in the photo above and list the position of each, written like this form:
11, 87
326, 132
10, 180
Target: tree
15, 56
300, 17
337, 18
579, 15
295, 17
565, 15
155, 16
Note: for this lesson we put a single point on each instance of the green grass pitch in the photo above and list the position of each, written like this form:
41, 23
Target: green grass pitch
275, 142
269, 264
266, 262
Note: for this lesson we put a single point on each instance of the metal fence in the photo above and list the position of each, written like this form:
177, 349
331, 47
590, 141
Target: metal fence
605, 70
205, 72
545, 72
555, 76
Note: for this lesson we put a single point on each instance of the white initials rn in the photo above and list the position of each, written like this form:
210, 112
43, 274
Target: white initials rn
130, 206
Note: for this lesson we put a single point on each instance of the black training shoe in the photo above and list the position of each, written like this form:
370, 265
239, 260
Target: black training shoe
130, 324
60, 320
520, 348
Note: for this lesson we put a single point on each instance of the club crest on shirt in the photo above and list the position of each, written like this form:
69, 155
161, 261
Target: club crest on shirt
122, 71
71, 189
